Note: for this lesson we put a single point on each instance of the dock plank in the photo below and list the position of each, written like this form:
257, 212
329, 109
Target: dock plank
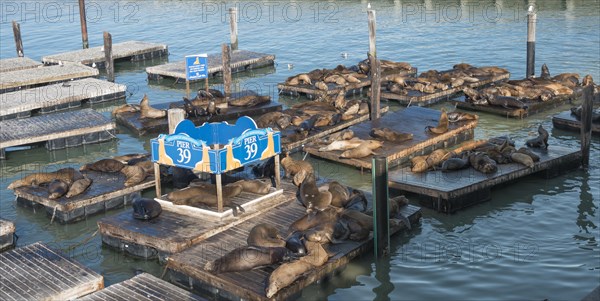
49, 97
451, 191
7, 231
133, 50
18, 63
37, 272
241, 60
569, 122
410, 120
23, 79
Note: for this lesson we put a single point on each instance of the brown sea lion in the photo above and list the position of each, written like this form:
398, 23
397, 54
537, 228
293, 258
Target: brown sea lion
529, 153
460, 116
481, 162
419, 164
128, 157
311, 197
442, 126
129, 108
342, 135
339, 194
436, 157
247, 258
292, 167
361, 151
322, 233
305, 79
390, 135
146, 111
587, 80
320, 217
67, 175
249, 101
78, 187
522, 159
321, 86
265, 235
56, 189
198, 196
541, 141
341, 145
359, 224
104, 165
255, 186
134, 174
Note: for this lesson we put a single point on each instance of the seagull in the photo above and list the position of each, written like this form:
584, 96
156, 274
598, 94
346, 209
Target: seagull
369, 5
60, 63
290, 66
94, 65
345, 55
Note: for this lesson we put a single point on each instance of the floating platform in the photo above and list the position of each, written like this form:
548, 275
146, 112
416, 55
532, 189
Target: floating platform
106, 192
410, 120
142, 287
18, 63
533, 107
173, 232
241, 60
7, 234
51, 98
30, 78
568, 121
187, 268
60, 130
37, 272
124, 51
450, 191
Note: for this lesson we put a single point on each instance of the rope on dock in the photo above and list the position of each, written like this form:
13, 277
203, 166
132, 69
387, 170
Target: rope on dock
83, 242
164, 272
53, 214
111, 134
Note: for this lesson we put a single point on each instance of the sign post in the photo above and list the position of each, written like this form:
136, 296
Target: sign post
196, 67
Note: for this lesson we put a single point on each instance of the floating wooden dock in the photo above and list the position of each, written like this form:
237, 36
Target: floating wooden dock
533, 107
129, 50
241, 60
187, 267
142, 287
173, 232
37, 272
568, 121
17, 63
410, 120
106, 192
7, 234
50, 98
450, 191
30, 78
60, 130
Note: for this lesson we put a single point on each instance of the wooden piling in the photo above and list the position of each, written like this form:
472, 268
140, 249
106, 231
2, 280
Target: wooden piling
586, 124
531, 22
372, 29
381, 226
375, 68
226, 59
233, 28
84, 34
18, 40
108, 54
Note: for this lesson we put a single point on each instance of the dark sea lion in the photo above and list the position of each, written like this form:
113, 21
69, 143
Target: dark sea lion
56, 189
460, 116
146, 111
144, 208
322, 233
311, 197
255, 186
455, 164
359, 223
442, 126
248, 258
481, 162
506, 102
67, 175
528, 152
104, 165
545, 74
320, 217
265, 169
339, 194
295, 243
309, 124
390, 135
395, 206
78, 187
134, 174
541, 141
522, 159
292, 167
361, 151
357, 201
250, 101
269, 119
265, 235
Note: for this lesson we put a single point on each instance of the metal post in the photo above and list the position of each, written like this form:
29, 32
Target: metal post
18, 40
233, 28
381, 227
108, 56
531, 21
84, 34
586, 124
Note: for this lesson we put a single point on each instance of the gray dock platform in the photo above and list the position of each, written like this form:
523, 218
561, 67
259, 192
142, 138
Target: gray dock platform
18, 63
30, 78
567, 121
129, 50
450, 191
50, 98
241, 60
7, 234
59, 130
37, 272
533, 107
142, 287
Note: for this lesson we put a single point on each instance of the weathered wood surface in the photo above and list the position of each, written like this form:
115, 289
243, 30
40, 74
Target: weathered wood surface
52, 126
187, 267
17, 63
142, 287
410, 120
29, 78
7, 231
534, 107
568, 121
171, 232
132, 50
593, 295
241, 60
53, 97
451, 191
37, 272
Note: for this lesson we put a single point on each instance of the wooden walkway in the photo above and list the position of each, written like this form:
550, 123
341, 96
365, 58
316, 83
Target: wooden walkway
130, 50
17, 63
187, 267
106, 192
568, 121
60, 130
142, 287
451, 191
7, 234
410, 120
37, 272
172, 232
241, 60
26, 78
50, 98
534, 107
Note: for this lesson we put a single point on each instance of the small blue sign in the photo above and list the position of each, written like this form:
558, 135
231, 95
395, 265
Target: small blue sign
196, 66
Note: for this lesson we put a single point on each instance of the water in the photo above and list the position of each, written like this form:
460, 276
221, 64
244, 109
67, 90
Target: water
535, 239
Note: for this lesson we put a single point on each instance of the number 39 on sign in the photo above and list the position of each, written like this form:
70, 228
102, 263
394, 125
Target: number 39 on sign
183, 149
251, 147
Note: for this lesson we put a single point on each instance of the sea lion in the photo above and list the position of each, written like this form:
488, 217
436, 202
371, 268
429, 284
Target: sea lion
436, 157
460, 116
56, 189
309, 124
455, 163
442, 126
506, 102
395, 207
343, 135
361, 151
126, 108
292, 167
522, 159
67, 175
357, 201
295, 243
481, 162
255, 186
265, 235
324, 233
529, 153
390, 135
311, 197
339, 194
321, 86
248, 258
305, 79
587, 80
419, 164
341, 145
128, 157
134, 174
359, 223
545, 73
249, 101
104, 165
145, 209
198, 196
78, 187
541, 141
304, 223
146, 111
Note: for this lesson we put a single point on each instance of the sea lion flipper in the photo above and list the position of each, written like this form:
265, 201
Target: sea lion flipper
405, 220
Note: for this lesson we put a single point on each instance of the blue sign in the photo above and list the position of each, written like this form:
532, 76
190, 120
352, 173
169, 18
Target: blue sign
196, 66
